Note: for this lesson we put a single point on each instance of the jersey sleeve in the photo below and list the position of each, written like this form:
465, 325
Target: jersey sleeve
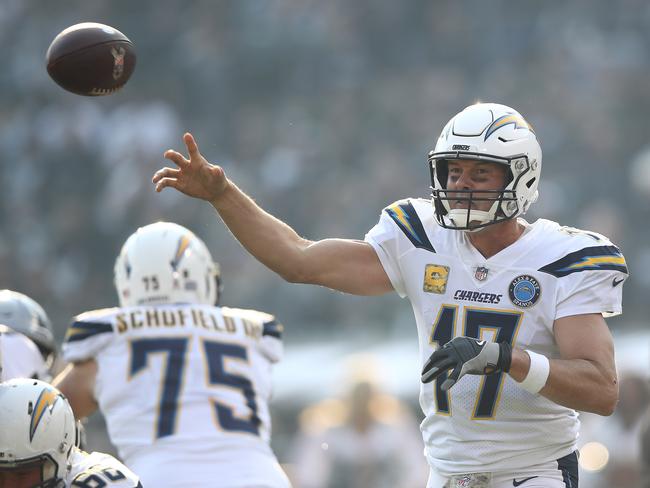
271, 343
590, 280
385, 239
88, 334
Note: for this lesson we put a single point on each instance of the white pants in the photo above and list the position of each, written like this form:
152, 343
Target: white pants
562, 473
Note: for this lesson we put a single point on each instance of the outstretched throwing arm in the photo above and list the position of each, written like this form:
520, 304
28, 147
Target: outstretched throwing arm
347, 265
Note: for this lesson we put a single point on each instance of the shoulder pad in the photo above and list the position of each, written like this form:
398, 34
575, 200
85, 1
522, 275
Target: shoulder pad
89, 324
405, 216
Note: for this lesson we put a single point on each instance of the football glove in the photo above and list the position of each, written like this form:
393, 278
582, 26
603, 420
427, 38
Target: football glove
464, 355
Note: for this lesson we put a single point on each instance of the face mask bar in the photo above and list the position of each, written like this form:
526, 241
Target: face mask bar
507, 205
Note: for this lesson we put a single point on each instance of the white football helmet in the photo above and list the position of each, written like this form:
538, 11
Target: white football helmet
494, 133
24, 315
166, 263
37, 431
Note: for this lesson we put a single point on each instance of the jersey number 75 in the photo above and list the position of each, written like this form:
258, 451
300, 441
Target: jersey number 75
174, 350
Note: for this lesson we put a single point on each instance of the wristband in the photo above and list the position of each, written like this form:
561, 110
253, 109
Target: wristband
540, 367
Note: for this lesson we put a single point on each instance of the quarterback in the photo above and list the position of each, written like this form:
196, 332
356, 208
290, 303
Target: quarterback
39, 439
183, 383
509, 314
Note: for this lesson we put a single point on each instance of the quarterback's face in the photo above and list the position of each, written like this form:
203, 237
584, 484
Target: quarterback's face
465, 174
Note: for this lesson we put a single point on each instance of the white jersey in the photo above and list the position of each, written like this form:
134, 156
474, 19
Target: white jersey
20, 357
488, 423
99, 470
185, 390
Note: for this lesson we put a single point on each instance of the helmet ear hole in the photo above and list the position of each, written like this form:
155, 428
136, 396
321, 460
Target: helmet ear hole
531, 182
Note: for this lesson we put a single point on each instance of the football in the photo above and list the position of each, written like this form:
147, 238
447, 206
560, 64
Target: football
91, 59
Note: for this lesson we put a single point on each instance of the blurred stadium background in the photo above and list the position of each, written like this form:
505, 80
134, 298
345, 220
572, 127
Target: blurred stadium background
324, 112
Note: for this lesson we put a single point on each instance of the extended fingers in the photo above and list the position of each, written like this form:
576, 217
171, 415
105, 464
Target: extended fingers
433, 369
165, 173
192, 146
177, 158
167, 182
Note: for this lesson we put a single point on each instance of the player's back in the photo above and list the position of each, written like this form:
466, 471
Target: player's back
184, 390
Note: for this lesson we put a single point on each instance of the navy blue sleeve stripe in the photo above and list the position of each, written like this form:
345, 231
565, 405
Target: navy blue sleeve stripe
408, 221
273, 329
79, 331
588, 259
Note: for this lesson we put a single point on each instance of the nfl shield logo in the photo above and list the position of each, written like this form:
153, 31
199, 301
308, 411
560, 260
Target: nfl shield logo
481, 273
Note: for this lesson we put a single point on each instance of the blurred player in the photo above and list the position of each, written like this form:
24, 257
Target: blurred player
374, 443
517, 306
38, 443
183, 383
27, 346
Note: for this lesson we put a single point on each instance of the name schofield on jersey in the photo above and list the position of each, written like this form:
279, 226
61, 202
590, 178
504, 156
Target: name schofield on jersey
476, 296
184, 317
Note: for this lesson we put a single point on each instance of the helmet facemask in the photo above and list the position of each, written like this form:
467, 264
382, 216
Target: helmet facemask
492, 133
506, 203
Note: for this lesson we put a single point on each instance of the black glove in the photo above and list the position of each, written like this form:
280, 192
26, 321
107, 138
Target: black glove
464, 355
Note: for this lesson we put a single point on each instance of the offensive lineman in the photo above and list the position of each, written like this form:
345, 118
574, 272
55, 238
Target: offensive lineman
38, 443
517, 305
183, 383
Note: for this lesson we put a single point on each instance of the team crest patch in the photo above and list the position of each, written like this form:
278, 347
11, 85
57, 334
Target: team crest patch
435, 278
524, 291
481, 272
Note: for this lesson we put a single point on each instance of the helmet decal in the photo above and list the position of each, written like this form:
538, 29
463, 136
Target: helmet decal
46, 399
517, 120
183, 244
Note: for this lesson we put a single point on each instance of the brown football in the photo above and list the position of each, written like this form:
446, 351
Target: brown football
91, 59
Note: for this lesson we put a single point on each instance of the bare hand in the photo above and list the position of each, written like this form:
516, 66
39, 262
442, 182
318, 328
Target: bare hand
195, 177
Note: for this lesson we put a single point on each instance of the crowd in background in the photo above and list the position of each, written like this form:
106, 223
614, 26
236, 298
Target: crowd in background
325, 112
